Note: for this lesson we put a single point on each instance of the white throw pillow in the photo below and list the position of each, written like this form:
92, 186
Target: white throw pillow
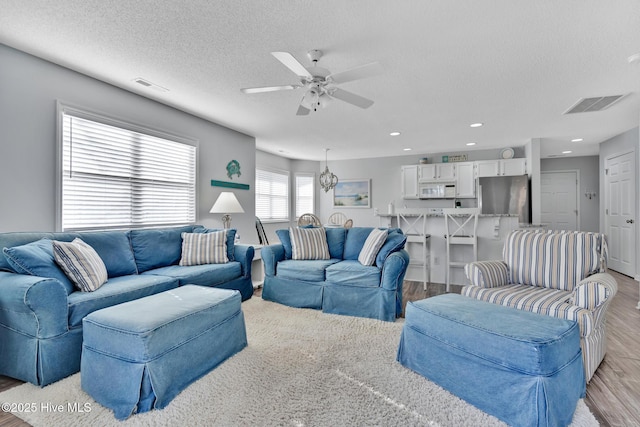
204, 248
309, 243
372, 246
81, 264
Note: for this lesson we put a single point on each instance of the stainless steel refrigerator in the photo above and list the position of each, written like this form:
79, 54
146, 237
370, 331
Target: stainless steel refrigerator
506, 195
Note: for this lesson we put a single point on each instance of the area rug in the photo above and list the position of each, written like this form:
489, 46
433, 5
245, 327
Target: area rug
301, 368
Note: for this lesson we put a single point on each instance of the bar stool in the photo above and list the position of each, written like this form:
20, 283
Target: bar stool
414, 226
461, 228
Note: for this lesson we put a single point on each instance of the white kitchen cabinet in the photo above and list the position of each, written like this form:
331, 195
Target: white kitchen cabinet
509, 167
427, 173
409, 182
437, 172
465, 180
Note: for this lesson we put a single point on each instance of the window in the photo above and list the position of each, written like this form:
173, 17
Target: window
272, 195
117, 175
305, 190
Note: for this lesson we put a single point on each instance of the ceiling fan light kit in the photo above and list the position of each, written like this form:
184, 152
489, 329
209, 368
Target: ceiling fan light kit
320, 84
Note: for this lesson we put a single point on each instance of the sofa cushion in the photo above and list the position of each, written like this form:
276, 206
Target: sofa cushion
394, 243
285, 239
114, 249
81, 263
157, 247
356, 237
372, 246
557, 260
309, 243
335, 239
204, 248
353, 273
304, 270
117, 290
205, 274
231, 238
36, 259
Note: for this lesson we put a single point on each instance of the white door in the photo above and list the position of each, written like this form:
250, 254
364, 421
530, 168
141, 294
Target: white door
559, 200
620, 212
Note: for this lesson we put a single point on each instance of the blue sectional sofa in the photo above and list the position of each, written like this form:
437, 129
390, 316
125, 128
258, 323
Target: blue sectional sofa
41, 313
341, 284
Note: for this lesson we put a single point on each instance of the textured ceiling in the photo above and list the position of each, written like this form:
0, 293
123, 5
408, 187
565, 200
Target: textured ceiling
515, 65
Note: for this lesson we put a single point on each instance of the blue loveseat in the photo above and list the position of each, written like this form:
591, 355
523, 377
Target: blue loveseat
41, 315
341, 284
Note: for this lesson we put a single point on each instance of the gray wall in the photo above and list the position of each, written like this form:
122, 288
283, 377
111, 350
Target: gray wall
589, 181
385, 184
29, 89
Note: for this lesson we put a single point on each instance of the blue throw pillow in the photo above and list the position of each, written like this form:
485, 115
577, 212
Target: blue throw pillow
335, 239
36, 259
395, 242
285, 239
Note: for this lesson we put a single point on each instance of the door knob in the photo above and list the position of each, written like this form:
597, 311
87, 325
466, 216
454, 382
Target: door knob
629, 221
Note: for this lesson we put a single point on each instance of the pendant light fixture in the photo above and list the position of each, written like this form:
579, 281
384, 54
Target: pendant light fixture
327, 179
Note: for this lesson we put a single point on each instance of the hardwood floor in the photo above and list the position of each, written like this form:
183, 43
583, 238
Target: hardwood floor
613, 394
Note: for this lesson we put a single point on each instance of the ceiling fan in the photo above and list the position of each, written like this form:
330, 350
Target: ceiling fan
320, 83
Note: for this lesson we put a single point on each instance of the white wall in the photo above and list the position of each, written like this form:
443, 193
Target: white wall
588, 167
29, 89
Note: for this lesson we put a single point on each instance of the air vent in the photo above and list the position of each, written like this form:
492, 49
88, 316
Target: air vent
587, 105
147, 83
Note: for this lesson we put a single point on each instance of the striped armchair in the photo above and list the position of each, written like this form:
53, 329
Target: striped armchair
555, 273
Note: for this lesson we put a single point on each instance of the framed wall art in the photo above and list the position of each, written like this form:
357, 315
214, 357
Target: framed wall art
352, 193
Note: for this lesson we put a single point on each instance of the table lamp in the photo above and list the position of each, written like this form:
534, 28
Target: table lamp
226, 204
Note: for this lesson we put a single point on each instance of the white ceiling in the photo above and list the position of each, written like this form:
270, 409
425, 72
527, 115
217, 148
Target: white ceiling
515, 65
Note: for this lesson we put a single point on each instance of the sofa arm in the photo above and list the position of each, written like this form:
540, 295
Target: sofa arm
271, 255
32, 305
394, 269
487, 274
244, 255
594, 291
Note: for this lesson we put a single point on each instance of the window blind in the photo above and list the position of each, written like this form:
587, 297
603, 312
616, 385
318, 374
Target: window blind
114, 177
272, 195
304, 194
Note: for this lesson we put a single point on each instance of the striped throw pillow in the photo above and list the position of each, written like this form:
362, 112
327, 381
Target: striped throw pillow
309, 243
371, 246
81, 264
204, 248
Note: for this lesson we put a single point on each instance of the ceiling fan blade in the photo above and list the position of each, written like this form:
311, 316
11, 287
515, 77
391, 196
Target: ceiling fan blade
292, 63
351, 98
268, 88
361, 72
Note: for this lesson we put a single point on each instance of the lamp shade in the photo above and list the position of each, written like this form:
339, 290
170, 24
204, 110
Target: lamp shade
227, 203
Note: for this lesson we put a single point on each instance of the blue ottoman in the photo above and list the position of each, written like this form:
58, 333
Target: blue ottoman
521, 367
140, 354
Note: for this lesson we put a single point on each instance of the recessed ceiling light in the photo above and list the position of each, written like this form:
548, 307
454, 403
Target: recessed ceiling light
567, 152
407, 149
394, 133
577, 140
471, 143
476, 125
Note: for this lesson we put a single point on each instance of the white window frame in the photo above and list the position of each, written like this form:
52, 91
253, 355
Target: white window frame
63, 109
298, 212
268, 218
